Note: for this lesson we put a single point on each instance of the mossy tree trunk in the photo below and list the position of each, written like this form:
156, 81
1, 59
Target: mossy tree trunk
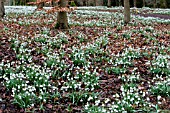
13, 2
134, 3
108, 3
53, 3
62, 20
165, 3
2, 9
120, 3
155, 4
126, 11
95, 2
144, 3
40, 5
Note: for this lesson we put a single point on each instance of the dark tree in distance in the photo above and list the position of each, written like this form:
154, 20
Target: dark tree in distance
126, 11
2, 9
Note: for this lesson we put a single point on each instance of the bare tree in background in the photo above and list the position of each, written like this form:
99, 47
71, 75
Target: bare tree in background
155, 3
120, 3
108, 3
2, 9
62, 19
134, 3
144, 3
126, 11
40, 5
165, 3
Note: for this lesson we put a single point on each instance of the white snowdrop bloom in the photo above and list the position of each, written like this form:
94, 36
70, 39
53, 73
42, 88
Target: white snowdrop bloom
87, 89
122, 88
32, 105
44, 100
90, 98
76, 77
139, 99
87, 105
159, 102
132, 99
103, 104
19, 86
148, 99
128, 97
117, 95
64, 88
97, 102
143, 94
123, 101
136, 102
81, 100
92, 88
19, 96
24, 89
6, 78
40, 97
107, 100
13, 90
103, 110
115, 110
124, 111
159, 97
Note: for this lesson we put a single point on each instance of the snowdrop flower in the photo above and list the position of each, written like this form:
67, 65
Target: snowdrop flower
107, 100
159, 97
97, 102
90, 98
87, 105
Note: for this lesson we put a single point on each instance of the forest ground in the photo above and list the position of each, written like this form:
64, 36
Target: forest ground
127, 63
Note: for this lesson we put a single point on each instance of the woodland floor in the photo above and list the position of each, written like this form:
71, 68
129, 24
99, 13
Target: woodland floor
109, 83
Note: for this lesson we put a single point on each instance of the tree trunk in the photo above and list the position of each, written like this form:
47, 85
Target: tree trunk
134, 3
62, 20
13, 2
155, 3
120, 3
126, 11
165, 4
40, 5
108, 3
53, 3
95, 2
117, 3
86, 2
2, 9
143, 3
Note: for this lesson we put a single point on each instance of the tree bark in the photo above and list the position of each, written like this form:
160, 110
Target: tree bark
155, 3
62, 20
144, 3
165, 4
108, 3
134, 3
126, 11
95, 2
117, 3
120, 3
2, 9
53, 3
40, 5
